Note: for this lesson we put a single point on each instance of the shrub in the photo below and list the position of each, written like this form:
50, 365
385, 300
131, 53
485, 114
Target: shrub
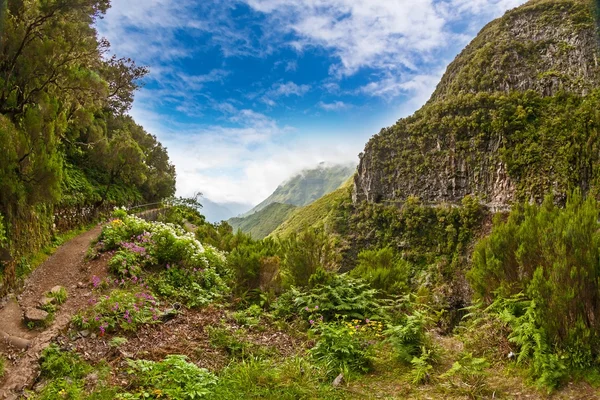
343, 297
121, 309
247, 261
468, 376
342, 348
304, 253
551, 255
62, 364
410, 338
173, 378
383, 269
194, 288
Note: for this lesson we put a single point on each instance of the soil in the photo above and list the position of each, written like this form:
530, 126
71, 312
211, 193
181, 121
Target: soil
66, 267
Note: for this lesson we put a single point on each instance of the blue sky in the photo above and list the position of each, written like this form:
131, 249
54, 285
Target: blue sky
245, 93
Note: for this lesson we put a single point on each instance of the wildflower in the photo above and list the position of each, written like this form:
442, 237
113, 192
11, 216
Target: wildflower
306, 309
312, 322
102, 330
96, 281
367, 320
316, 307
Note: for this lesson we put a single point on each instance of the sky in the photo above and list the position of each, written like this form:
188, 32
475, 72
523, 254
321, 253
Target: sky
246, 93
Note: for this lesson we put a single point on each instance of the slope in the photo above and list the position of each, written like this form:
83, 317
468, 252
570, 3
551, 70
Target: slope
314, 214
260, 224
308, 186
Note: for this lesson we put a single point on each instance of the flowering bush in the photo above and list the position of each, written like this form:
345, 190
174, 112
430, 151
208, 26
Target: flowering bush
343, 347
121, 309
194, 288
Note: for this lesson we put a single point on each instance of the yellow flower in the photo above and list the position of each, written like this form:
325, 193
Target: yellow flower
157, 392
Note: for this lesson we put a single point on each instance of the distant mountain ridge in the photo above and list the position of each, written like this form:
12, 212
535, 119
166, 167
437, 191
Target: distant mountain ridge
308, 186
216, 212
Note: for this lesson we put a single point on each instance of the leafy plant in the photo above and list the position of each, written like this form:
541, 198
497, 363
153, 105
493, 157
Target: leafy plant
383, 269
173, 378
60, 296
422, 366
468, 376
121, 309
410, 338
342, 348
342, 297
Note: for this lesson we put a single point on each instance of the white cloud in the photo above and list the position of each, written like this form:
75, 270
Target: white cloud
284, 90
336, 105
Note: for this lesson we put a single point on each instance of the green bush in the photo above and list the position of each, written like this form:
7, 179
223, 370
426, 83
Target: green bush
552, 256
343, 297
410, 339
173, 378
342, 348
247, 261
194, 288
383, 269
62, 364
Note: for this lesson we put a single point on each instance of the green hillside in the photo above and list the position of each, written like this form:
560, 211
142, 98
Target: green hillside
308, 186
314, 214
262, 223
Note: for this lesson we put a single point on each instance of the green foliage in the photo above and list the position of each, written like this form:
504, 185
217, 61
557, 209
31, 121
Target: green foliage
422, 366
248, 317
468, 376
551, 256
341, 297
59, 296
194, 288
547, 368
62, 364
261, 223
410, 339
342, 348
121, 309
2, 366
287, 379
173, 378
304, 253
249, 260
383, 269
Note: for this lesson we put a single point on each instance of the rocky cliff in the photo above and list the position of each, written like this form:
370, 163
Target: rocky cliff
514, 117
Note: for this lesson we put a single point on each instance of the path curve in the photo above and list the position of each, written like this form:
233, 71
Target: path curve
66, 267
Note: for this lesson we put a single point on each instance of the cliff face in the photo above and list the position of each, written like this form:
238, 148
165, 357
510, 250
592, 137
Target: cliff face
514, 117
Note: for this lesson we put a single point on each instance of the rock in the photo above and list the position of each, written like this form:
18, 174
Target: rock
84, 333
35, 315
56, 289
45, 301
338, 380
81, 285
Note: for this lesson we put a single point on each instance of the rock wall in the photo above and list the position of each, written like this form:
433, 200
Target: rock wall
465, 140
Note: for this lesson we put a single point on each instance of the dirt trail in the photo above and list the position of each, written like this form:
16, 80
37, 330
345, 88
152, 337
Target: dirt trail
67, 268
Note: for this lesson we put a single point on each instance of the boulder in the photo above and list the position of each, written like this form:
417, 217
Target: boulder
35, 315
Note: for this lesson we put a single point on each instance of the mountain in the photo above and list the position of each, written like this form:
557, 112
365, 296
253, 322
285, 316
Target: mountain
260, 224
308, 186
314, 214
216, 212
515, 117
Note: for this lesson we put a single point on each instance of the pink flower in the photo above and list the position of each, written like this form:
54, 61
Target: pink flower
306, 309
316, 307
311, 322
